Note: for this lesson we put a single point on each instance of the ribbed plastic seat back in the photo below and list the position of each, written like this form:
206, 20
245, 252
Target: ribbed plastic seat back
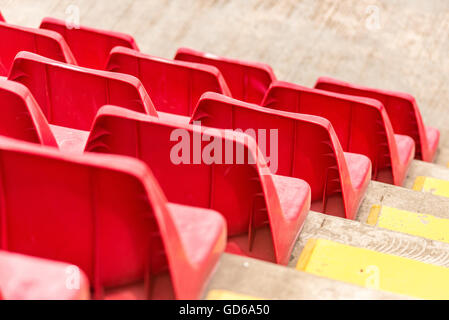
242, 191
248, 81
307, 148
90, 46
104, 213
20, 115
402, 109
70, 96
174, 86
44, 42
362, 125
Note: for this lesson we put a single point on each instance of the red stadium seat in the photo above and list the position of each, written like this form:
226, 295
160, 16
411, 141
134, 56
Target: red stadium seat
70, 96
21, 117
361, 124
174, 86
308, 148
90, 46
29, 278
248, 81
1, 17
107, 215
403, 112
264, 212
44, 42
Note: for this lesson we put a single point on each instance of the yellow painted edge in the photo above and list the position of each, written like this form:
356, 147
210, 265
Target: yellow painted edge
374, 214
419, 183
306, 254
415, 223
381, 271
228, 295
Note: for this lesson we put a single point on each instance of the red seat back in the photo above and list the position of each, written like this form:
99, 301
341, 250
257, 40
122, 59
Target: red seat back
247, 81
90, 46
1, 17
20, 115
70, 96
103, 213
361, 124
29, 278
174, 86
44, 42
190, 183
402, 109
241, 190
308, 147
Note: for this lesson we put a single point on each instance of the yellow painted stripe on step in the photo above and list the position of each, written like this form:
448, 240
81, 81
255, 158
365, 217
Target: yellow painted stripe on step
374, 215
374, 269
435, 186
417, 224
228, 295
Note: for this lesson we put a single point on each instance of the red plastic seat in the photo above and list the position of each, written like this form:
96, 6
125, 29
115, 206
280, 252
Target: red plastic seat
361, 124
29, 278
248, 81
308, 148
264, 213
402, 109
174, 86
21, 117
70, 96
44, 42
107, 215
1, 17
90, 46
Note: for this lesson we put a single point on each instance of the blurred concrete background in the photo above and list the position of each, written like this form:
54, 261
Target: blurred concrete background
398, 45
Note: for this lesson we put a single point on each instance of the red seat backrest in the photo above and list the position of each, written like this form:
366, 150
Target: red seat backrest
241, 190
248, 81
70, 96
90, 46
1, 17
44, 42
307, 145
362, 125
29, 278
103, 213
227, 188
402, 109
20, 115
174, 86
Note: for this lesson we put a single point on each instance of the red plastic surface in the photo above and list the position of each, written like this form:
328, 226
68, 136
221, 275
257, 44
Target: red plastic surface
90, 46
402, 109
69, 139
263, 212
21, 117
362, 126
248, 81
44, 42
107, 215
1, 17
29, 278
308, 148
174, 86
70, 96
